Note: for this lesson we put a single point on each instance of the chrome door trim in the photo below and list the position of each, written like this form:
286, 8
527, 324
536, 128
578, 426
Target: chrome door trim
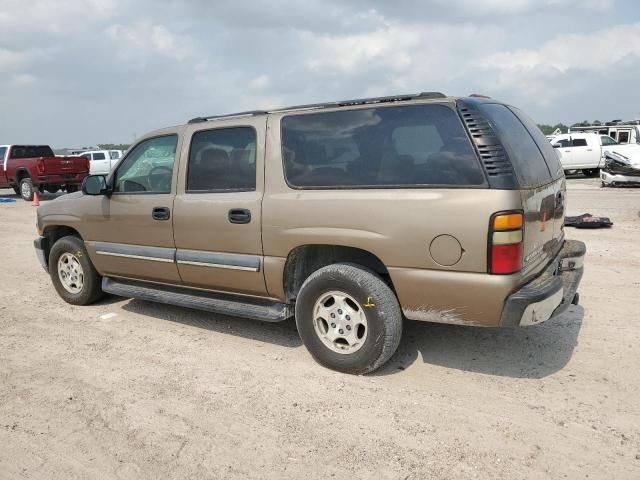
232, 261
136, 252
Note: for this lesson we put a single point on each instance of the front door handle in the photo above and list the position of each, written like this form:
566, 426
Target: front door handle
239, 215
161, 213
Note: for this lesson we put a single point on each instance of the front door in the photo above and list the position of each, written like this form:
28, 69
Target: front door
130, 233
218, 207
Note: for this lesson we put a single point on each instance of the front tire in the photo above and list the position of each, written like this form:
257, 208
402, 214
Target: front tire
348, 318
72, 273
26, 189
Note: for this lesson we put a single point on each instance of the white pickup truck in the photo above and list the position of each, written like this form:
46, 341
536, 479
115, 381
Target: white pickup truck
102, 161
582, 151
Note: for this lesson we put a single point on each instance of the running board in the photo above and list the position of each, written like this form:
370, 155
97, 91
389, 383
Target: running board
224, 304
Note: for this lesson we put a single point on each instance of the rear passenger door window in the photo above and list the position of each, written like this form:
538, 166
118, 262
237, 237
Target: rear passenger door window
222, 160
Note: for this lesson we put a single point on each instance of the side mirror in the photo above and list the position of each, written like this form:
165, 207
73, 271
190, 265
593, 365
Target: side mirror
95, 185
556, 145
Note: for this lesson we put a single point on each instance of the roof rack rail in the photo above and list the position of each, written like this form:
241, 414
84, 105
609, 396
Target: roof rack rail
340, 103
364, 101
229, 115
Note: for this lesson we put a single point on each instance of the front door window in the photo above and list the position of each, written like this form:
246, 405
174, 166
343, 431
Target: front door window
148, 168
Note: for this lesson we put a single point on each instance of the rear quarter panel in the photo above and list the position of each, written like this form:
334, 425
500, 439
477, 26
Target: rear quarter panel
396, 225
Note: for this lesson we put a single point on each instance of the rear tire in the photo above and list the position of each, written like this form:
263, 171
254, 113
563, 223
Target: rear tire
72, 273
26, 189
16, 189
363, 323
52, 188
72, 188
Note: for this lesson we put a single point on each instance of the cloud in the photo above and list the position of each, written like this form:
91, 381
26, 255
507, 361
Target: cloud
94, 71
143, 38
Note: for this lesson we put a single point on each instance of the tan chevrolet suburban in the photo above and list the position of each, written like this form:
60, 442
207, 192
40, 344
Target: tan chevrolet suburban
349, 215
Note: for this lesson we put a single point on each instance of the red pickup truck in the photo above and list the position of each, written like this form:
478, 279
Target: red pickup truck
26, 168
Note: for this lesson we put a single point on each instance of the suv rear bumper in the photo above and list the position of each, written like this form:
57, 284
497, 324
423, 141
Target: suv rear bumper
550, 293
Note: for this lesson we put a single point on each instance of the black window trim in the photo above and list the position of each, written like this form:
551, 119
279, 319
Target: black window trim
219, 190
113, 175
449, 105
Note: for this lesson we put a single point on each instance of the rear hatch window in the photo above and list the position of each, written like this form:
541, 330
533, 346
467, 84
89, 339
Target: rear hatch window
404, 146
526, 157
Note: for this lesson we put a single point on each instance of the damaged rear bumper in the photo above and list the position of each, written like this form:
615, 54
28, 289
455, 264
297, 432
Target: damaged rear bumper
549, 294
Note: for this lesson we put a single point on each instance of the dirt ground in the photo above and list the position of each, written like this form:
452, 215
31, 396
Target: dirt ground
128, 389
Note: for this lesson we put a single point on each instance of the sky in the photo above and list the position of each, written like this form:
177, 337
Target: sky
81, 72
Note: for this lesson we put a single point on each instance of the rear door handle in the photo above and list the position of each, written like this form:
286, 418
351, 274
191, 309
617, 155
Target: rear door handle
161, 213
239, 215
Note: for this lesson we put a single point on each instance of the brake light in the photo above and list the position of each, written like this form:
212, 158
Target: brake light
505, 248
40, 166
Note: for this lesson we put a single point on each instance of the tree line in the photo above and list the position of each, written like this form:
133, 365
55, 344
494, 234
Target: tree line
549, 129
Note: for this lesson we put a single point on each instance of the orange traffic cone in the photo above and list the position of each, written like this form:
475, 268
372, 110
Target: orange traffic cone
36, 200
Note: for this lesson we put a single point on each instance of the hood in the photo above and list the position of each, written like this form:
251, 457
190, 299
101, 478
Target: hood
625, 154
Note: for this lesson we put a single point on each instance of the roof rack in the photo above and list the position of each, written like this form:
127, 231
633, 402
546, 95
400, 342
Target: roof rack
229, 115
341, 103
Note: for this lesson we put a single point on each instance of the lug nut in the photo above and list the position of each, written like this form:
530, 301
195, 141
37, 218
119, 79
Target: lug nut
333, 315
333, 325
339, 312
348, 317
340, 331
348, 327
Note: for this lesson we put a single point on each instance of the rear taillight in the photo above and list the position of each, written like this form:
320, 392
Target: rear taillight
505, 243
40, 166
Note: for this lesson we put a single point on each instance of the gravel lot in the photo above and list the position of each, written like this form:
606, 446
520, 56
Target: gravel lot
129, 389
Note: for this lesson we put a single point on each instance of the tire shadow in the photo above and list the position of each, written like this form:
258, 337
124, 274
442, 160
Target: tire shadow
528, 352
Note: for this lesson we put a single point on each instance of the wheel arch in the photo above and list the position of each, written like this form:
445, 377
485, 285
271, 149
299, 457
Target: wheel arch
53, 233
22, 173
303, 260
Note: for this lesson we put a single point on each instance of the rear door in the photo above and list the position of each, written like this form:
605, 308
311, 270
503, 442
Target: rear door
542, 184
218, 208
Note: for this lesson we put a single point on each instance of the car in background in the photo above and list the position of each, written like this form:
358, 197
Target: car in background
582, 151
30, 168
101, 160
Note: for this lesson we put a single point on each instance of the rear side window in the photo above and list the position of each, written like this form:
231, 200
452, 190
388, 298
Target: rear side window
31, 151
222, 160
579, 142
548, 153
99, 156
3, 150
408, 146
528, 163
